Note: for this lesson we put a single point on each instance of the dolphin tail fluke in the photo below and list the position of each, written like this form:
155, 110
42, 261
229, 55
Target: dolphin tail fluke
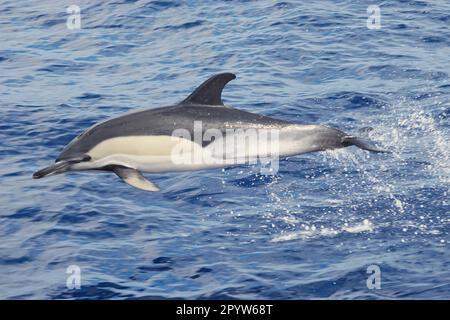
135, 179
363, 144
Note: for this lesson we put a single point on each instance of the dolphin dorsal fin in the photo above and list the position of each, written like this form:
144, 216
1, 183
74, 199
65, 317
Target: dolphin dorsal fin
210, 91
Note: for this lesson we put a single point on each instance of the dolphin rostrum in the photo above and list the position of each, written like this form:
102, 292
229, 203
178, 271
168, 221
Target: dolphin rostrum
194, 134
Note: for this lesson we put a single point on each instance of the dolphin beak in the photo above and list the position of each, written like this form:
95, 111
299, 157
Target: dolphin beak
58, 167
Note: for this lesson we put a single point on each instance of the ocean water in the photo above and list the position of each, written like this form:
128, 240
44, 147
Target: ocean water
312, 230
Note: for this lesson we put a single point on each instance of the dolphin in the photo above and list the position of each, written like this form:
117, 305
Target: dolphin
167, 139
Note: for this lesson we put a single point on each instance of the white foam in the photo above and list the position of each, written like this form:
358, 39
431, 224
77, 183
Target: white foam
366, 225
313, 232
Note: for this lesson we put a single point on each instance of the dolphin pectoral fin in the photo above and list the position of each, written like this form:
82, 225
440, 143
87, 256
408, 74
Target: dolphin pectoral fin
363, 144
210, 92
135, 179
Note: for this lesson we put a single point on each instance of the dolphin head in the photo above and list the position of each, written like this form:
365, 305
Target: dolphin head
71, 154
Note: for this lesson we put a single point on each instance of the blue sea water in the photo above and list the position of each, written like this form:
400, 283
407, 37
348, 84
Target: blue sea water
309, 231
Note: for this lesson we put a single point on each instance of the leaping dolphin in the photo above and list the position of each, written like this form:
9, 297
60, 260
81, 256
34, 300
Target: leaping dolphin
151, 140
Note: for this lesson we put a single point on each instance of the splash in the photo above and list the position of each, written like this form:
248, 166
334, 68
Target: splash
383, 188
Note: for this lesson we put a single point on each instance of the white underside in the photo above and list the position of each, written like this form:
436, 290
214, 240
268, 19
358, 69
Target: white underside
168, 153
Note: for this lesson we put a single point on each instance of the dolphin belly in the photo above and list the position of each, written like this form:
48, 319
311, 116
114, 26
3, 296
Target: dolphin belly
151, 154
